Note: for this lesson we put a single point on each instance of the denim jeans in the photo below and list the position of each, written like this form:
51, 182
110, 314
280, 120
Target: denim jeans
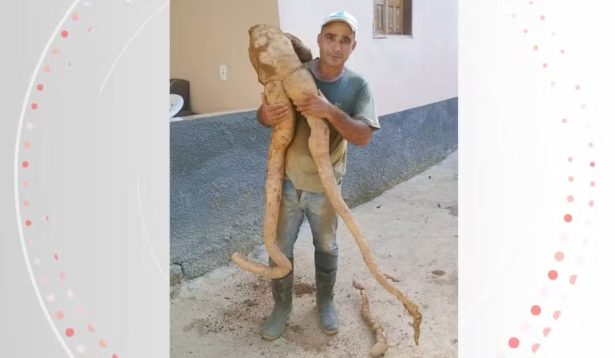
323, 220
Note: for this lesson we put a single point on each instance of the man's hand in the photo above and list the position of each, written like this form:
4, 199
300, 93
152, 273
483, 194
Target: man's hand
315, 106
271, 115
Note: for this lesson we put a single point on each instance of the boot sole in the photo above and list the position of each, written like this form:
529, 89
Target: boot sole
330, 333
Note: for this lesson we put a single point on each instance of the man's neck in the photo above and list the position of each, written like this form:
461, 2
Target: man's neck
326, 73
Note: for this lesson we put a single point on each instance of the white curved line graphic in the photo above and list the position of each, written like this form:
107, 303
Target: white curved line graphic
151, 250
16, 177
102, 87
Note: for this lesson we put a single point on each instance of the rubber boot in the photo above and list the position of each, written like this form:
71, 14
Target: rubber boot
324, 300
282, 290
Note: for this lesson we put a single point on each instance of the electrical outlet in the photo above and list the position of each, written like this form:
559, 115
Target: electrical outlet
223, 72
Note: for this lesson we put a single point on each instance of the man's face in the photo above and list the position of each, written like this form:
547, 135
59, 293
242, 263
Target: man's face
336, 42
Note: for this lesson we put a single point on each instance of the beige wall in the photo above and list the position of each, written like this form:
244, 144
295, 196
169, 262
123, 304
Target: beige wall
405, 72
206, 34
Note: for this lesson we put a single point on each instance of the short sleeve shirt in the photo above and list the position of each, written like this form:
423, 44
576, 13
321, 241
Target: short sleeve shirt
352, 94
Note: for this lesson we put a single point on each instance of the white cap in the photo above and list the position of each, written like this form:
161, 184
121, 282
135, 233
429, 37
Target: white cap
344, 16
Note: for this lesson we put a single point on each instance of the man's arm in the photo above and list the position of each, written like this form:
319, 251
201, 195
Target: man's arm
353, 130
356, 127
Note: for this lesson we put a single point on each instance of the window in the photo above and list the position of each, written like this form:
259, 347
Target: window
392, 17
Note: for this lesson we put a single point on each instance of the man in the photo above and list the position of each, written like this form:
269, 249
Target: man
347, 105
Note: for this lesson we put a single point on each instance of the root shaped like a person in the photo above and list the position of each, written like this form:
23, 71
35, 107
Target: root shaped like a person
274, 57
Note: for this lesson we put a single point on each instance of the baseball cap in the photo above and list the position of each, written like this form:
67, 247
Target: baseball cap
344, 16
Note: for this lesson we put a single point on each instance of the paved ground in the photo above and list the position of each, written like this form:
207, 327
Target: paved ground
412, 231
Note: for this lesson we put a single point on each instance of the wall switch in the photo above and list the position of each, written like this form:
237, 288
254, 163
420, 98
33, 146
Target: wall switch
223, 72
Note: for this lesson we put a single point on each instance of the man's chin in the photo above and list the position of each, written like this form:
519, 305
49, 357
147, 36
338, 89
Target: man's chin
334, 61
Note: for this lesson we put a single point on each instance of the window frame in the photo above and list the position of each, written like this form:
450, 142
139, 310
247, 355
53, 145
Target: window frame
407, 9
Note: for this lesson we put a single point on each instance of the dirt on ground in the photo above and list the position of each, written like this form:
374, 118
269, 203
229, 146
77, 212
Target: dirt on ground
412, 232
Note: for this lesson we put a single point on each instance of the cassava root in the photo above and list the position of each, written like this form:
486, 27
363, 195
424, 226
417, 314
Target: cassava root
273, 55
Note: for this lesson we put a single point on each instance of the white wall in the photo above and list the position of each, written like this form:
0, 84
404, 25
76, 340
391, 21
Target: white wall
404, 72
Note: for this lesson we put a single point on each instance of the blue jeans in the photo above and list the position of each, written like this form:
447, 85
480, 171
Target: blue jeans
323, 219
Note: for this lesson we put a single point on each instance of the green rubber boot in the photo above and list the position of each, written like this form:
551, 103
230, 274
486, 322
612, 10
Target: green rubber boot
282, 290
324, 300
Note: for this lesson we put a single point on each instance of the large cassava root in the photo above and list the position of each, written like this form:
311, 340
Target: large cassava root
274, 57
382, 344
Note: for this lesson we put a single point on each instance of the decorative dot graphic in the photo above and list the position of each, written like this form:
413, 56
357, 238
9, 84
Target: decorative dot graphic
535, 310
568, 218
559, 256
535, 47
513, 342
570, 198
546, 331
564, 120
569, 159
545, 65
562, 52
556, 315
592, 184
573, 279
591, 203
592, 164
552, 275
525, 31
542, 18
535, 347
54, 295
570, 179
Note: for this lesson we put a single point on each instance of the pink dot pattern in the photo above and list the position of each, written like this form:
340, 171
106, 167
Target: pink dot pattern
60, 316
553, 275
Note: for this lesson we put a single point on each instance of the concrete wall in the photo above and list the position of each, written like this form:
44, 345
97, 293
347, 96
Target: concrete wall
404, 72
218, 169
206, 34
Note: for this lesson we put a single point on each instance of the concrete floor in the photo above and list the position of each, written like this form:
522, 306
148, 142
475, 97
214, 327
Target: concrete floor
412, 232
